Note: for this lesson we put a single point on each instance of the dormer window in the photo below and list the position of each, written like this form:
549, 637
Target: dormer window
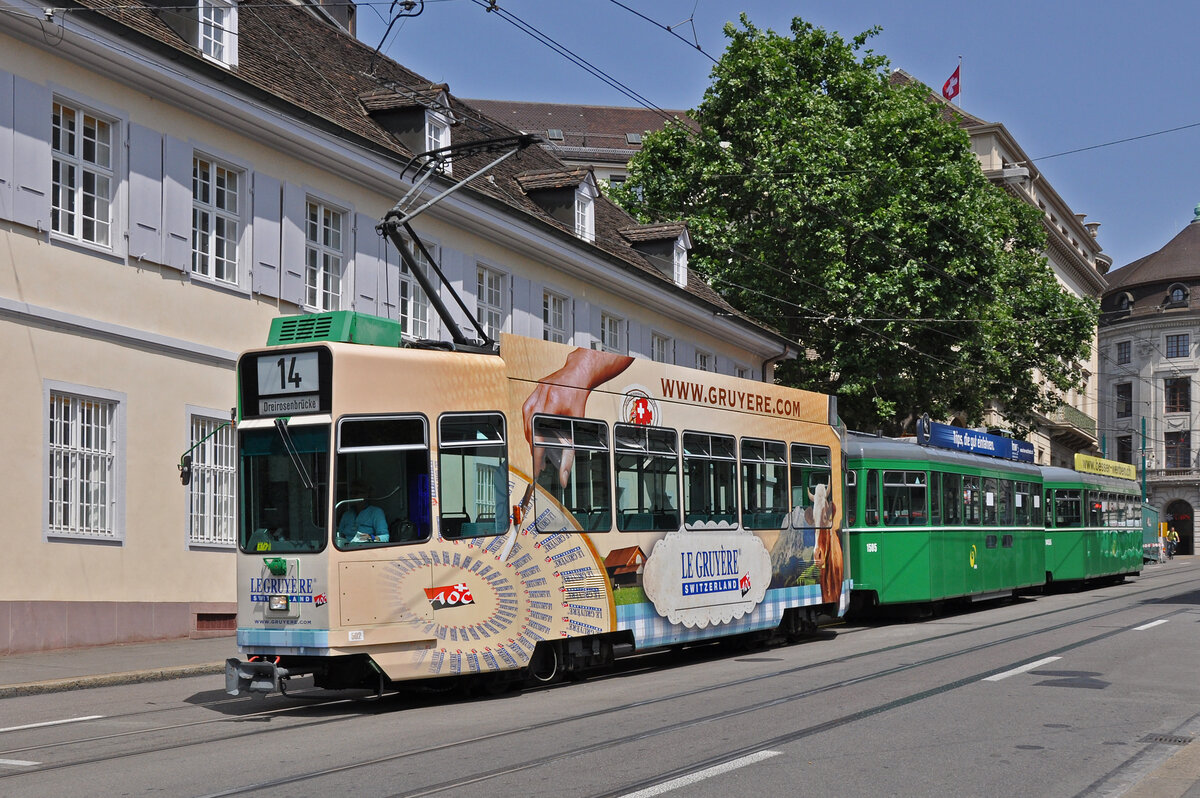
585, 211
568, 196
211, 26
665, 245
680, 262
419, 118
218, 31
1177, 295
437, 135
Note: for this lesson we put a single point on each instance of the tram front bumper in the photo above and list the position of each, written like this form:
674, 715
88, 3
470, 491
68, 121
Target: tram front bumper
259, 676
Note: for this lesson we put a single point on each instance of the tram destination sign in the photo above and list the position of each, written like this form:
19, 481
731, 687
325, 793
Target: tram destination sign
285, 383
944, 436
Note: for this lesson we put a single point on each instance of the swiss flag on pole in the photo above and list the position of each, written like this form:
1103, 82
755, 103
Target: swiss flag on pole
950, 87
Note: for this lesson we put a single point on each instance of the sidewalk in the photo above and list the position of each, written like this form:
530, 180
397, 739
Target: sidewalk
79, 668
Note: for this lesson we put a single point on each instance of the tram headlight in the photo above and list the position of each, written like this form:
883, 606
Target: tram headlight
277, 603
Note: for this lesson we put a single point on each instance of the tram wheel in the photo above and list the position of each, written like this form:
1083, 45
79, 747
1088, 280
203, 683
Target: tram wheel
545, 666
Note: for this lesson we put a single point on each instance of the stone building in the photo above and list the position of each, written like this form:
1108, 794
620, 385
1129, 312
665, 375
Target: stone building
1149, 329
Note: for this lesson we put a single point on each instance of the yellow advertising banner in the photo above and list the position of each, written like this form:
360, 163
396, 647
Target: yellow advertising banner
1109, 468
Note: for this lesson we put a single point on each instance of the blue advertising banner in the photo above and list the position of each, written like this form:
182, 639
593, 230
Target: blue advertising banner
931, 433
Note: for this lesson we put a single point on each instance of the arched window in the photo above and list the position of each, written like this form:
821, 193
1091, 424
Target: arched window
1177, 294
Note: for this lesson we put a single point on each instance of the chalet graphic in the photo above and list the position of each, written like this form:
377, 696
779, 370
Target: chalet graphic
625, 566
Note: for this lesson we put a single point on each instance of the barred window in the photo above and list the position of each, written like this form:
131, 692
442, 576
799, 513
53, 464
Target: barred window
212, 495
82, 452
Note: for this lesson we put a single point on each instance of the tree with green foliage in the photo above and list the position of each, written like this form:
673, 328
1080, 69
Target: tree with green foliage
846, 212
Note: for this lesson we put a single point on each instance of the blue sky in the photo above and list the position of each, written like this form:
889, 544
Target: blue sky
1059, 75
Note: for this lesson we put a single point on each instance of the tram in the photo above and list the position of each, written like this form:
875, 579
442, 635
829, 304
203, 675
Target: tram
929, 524
411, 513
1093, 521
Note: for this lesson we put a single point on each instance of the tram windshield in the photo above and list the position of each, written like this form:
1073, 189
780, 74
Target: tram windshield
284, 486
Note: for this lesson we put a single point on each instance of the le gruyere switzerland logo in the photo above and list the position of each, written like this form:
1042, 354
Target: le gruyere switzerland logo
639, 408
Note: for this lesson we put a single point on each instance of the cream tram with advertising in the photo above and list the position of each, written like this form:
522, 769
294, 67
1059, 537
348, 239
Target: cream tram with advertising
412, 513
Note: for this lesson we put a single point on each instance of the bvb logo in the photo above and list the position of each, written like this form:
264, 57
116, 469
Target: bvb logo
639, 408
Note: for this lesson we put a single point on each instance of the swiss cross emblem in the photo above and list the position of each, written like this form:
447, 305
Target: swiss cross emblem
642, 414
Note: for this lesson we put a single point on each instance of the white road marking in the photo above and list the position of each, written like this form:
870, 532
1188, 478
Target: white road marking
1026, 667
1150, 625
701, 775
18, 763
51, 723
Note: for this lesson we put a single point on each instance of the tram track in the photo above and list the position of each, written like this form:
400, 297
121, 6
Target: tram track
583, 750
486, 775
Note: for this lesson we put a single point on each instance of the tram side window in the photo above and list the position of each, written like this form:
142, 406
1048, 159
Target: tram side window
952, 499
710, 480
1095, 503
574, 469
871, 499
647, 466
1035, 494
284, 488
382, 473
1004, 500
472, 475
904, 498
1022, 504
935, 498
971, 500
764, 484
811, 467
1068, 509
990, 492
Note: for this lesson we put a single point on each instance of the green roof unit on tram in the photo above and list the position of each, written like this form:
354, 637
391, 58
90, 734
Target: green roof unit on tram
345, 326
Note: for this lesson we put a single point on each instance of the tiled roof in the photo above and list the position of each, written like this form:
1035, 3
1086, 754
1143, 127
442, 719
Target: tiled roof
1178, 260
587, 130
289, 54
408, 97
653, 232
551, 178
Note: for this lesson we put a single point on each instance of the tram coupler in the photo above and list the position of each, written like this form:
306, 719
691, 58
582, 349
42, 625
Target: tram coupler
259, 676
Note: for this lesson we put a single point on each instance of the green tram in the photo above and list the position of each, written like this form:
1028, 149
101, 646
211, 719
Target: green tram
928, 524
1093, 525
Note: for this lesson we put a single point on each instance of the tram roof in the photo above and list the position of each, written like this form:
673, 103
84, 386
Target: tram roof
862, 445
1057, 475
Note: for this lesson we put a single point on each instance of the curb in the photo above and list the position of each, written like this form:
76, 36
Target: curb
110, 679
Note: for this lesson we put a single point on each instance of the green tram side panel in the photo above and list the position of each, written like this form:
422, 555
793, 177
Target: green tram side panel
345, 326
940, 562
1081, 553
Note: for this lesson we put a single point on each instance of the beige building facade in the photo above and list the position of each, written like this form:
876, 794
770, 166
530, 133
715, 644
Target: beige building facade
173, 179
